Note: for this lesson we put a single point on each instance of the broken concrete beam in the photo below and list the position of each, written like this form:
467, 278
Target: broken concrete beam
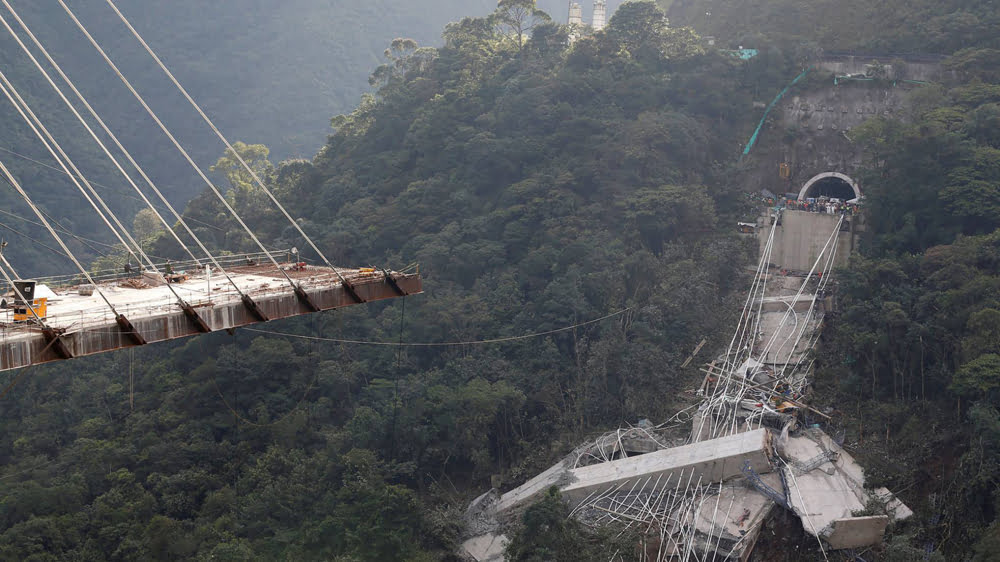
857, 532
897, 510
629, 441
526, 493
819, 498
481, 515
714, 460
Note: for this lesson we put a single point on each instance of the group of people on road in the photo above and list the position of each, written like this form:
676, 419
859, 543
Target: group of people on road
827, 205
822, 205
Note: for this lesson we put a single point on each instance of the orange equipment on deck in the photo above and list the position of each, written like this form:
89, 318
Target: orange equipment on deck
23, 314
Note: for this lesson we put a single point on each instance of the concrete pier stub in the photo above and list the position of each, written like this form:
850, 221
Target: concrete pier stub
800, 236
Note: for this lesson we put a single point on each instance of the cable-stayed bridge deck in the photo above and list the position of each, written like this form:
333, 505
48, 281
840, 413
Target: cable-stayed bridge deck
79, 324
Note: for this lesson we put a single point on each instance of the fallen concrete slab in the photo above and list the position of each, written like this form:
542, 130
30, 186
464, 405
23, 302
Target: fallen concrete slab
485, 548
783, 334
819, 498
827, 487
857, 532
714, 460
728, 525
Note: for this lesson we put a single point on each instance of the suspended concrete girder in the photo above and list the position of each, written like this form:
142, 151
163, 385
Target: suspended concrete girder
79, 325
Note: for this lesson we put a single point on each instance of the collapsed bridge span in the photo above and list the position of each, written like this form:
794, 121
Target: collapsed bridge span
702, 485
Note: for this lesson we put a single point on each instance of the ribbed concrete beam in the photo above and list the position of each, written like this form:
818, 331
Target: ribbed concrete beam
157, 316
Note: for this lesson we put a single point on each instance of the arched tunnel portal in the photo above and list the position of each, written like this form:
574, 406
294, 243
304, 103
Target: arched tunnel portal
831, 184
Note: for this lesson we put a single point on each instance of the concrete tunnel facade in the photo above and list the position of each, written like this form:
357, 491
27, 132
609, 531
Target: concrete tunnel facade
830, 184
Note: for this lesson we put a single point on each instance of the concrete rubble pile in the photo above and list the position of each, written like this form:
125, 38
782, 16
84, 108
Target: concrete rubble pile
811, 475
753, 447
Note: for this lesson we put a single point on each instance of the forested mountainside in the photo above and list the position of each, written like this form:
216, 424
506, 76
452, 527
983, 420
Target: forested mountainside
914, 355
267, 72
537, 186
920, 26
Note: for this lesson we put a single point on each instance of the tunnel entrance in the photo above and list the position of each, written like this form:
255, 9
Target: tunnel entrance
831, 184
833, 188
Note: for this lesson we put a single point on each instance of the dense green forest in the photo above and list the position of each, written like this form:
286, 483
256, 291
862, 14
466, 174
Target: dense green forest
536, 190
915, 350
893, 26
270, 73
267, 72
538, 186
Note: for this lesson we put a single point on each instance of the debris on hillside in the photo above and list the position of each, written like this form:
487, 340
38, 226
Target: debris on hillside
753, 449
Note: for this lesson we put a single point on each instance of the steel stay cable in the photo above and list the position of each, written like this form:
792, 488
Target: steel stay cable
713, 402
20, 295
53, 146
105, 186
176, 144
760, 283
760, 307
443, 344
4, 84
61, 228
87, 127
740, 394
13, 181
82, 239
222, 137
718, 541
36, 241
52, 83
169, 135
795, 299
742, 390
746, 321
760, 270
97, 117
831, 258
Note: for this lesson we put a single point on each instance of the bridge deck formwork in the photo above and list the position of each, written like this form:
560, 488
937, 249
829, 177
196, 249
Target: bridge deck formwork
77, 324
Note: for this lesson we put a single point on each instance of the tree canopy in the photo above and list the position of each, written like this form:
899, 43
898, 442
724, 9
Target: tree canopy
538, 186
